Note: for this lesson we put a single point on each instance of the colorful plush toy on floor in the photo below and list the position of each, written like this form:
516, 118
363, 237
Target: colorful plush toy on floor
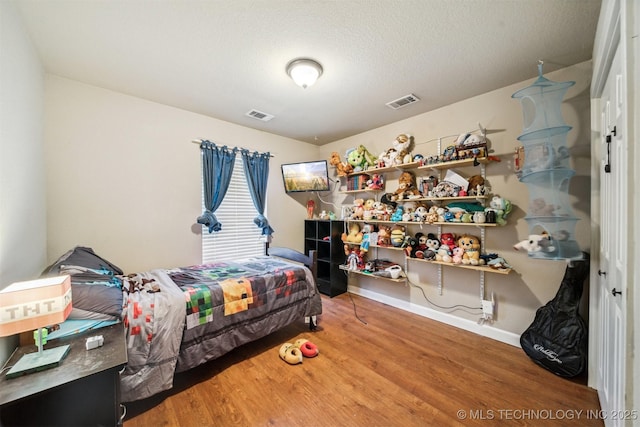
290, 354
307, 348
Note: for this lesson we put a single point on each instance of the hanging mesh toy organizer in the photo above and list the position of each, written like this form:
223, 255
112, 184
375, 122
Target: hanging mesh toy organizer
546, 170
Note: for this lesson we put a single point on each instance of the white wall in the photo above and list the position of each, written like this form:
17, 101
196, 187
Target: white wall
22, 177
124, 178
534, 282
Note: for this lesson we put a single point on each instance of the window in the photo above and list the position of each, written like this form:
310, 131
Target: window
239, 237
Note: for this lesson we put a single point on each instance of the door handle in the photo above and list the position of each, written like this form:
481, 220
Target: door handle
607, 167
614, 292
602, 273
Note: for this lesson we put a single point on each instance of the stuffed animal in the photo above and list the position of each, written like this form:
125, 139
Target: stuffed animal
386, 199
502, 207
499, 263
397, 235
387, 158
384, 235
407, 187
358, 209
356, 159
342, 168
457, 255
407, 216
354, 235
432, 244
403, 146
448, 239
421, 245
397, 215
432, 215
536, 243
368, 210
369, 159
420, 214
411, 247
471, 246
447, 243
378, 210
443, 254
376, 182
476, 186
360, 158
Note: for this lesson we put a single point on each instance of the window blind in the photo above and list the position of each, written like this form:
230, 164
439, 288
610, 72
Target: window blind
239, 236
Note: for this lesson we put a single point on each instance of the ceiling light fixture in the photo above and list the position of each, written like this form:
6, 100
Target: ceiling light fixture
304, 71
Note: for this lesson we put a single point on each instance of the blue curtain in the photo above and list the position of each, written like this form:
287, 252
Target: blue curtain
256, 169
217, 169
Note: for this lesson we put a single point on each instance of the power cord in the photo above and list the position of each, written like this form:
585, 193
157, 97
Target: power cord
454, 307
355, 312
335, 187
461, 307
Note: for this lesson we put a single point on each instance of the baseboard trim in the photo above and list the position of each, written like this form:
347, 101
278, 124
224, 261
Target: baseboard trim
468, 325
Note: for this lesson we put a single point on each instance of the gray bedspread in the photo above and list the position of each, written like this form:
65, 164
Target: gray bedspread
154, 318
180, 318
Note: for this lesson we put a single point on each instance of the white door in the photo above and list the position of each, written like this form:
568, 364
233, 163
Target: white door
613, 244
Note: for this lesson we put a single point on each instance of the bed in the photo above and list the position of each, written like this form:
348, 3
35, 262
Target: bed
176, 319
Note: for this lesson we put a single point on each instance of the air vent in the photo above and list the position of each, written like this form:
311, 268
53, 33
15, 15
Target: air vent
259, 115
403, 102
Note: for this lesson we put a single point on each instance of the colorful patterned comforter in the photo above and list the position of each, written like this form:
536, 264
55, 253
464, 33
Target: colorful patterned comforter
178, 319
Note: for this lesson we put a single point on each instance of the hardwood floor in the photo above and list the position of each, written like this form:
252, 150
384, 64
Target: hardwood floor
398, 369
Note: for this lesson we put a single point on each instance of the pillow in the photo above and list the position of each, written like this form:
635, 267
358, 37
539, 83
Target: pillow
96, 292
91, 300
84, 257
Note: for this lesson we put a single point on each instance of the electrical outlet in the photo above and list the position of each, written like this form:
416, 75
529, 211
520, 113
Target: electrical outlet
487, 308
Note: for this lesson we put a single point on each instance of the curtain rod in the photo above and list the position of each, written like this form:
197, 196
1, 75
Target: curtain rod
200, 141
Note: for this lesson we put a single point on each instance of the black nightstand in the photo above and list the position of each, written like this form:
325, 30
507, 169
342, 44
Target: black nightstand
83, 391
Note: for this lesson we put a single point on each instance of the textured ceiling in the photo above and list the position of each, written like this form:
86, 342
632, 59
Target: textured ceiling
223, 58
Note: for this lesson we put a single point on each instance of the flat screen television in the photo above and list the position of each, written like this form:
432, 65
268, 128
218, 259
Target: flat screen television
306, 176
